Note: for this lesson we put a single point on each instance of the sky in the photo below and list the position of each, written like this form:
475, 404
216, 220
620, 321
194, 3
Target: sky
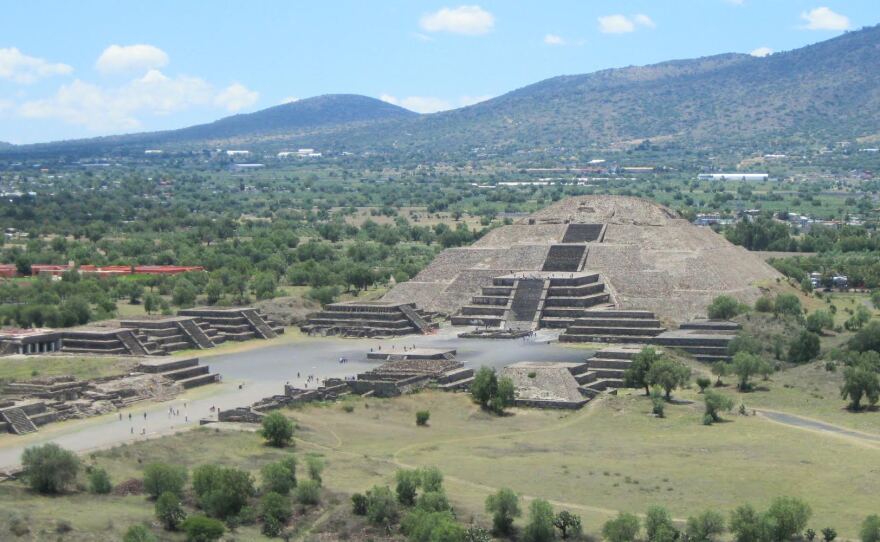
100, 67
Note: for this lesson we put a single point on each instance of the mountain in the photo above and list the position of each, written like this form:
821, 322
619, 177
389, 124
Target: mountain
326, 114
816, 94
4, 144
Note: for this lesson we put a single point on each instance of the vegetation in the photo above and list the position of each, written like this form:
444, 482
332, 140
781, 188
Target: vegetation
49, 468
277, 429
492, 393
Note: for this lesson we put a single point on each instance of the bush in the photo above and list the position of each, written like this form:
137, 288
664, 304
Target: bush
422, 417
433, 501
169, 511
277, 429
819, 320
275, 511
49, 468
659, 526
724, 307
504, 507
492, 393
99, 481
408, 482
623, 528
867, 338
431, 479
162, 477
746, 365
804, 347
308, 492
359, 504
277, 478
788, 517
424, 526
764, 304
138, 533
715, 403
222, 491
202, 529
540, 527
381, 506
747, 525
668, 374
658, 405
703, 382
788, 305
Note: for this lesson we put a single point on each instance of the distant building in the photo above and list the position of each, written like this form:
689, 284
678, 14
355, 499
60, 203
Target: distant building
247, 166
237, 153
153, 151
733, 176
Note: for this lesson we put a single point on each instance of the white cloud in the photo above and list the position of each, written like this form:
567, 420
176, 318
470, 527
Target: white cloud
621, 24
736, 2
120, 108
762, 51
431, 104
469, 20
288, 100
236, 97
822, 18
21, 68
553, 39
131, 58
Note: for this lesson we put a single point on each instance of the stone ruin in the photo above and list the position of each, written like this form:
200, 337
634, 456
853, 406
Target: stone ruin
369, 319
196, 329
26, 405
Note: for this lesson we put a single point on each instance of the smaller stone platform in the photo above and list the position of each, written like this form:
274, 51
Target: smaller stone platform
369, 319
544, 384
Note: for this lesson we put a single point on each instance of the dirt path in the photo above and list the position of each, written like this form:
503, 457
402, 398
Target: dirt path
808, 424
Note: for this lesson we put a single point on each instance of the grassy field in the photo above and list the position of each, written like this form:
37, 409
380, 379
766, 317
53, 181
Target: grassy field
83, 367
609, 456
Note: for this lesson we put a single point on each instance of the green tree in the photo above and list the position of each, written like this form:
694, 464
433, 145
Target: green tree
277, 429
408, 482
484, 386
860, 381
277, 478
169, 511
820, 320
636, 375
49, 468
138, 533
540, 527
747, 525
569, 524
504, 507
659, 526
359, 504
788, 517
422, 417
867, 338
202, 529
315, 466
804, 347
788, 305
151, 303
747, 365
265, 285
162, 477
715, 403
99, 481
623, 528
308, 492
222, 491
668, 374
425, 526
870, 531
706, 527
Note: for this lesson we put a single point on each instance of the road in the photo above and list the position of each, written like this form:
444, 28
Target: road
262, 372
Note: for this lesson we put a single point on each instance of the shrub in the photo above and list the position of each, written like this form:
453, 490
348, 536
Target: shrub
540, 527
275, 511
490, 392
867, 338
703, 382
668, 374
860, 381
49, 468
99, 481
277, 429
138, 533
162, 477
381, 506
308, 492
623, 528
746, 365
744, 342
169, 511
724, 307
504, 507
788, 305
747, 525
829, 534
804, 347
422, 417
477, 534
277, 478
424, 526
359, 504
431, 479
764, 304
408, 482
819, 320
715, 403
706, 527
659, 526
433, 501
658, 405
636, 375
788, 517
348, 408
222, 491
202, 529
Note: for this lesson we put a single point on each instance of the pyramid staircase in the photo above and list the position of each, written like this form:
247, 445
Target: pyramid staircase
705, 340
259, 324
614, 326
604, 371
18, 421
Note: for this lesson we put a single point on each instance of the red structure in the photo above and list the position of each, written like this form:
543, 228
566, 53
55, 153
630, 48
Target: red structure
9, 270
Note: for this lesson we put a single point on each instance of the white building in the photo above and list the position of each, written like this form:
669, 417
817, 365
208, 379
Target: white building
733, 176
237, 153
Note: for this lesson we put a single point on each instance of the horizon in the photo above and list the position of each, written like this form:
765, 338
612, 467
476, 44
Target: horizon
148, 69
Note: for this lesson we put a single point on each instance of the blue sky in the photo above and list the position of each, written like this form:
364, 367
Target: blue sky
82, 69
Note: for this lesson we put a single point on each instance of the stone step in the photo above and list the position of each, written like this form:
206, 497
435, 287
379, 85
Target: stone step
188, 372
576, 291
578, 329
608, 363
18, 421
709, 358
586, 378
79, 350
477, 320
717, 325
618, 322
469, 310
621, 314
166, 366
462, 384
200, 380
490, 300
619, 339
177, 346
684, 342
583, 301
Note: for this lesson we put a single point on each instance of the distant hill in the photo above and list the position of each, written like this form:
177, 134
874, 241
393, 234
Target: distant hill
4, 144
823, 92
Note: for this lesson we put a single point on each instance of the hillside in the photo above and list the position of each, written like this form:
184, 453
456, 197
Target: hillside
820, 93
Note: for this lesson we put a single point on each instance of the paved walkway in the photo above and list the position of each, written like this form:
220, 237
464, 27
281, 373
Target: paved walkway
810, 424
262, 372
